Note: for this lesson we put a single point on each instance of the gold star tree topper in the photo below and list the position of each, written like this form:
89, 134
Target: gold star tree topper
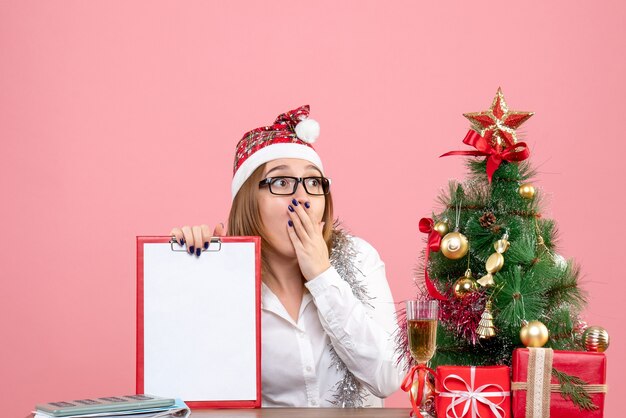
498, 122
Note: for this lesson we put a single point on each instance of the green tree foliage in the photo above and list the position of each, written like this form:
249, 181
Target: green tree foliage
535, 283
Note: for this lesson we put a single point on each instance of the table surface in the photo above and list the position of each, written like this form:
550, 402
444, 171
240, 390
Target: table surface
302, 412
299, 412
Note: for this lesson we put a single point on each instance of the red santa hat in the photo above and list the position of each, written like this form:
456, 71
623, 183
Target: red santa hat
290, 136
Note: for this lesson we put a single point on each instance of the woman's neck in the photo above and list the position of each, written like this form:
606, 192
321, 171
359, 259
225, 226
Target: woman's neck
284, 278
283, 275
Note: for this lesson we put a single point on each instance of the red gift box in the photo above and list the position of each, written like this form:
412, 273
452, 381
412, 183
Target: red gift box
468, 391
536, 390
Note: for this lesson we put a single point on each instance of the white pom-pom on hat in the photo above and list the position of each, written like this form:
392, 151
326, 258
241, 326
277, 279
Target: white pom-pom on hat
308, 130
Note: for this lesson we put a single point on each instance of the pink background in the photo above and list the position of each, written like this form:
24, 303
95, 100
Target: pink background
120, 118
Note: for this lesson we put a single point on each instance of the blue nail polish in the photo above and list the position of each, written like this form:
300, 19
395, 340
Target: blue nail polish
198, 251
181, 241
295, 202
290, 208
206, 245
290, 223
307, 205
191, 249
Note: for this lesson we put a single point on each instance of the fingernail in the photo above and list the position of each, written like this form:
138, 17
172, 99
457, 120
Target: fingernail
290, 223
290, 208
198, 251
307, 205
191, 249
295, 202
180, 241
206, 245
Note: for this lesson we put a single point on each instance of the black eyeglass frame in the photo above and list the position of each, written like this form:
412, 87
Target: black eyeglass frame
325, 181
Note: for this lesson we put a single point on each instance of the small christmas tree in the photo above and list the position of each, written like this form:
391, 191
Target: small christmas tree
491, 257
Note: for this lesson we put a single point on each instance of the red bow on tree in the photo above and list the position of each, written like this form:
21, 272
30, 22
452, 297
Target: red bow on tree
434, 243
495, 154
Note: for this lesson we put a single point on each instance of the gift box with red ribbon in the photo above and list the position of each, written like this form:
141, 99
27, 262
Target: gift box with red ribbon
468, 391
550, 383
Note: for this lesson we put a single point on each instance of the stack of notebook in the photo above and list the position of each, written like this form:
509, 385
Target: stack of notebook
129, 406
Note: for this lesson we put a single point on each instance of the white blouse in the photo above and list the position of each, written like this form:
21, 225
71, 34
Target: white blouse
296, 365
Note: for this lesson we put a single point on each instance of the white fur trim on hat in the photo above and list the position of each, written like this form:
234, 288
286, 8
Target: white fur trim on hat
269, 153
308, 130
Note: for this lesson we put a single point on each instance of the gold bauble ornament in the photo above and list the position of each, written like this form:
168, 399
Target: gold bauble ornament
442, 227
486, 328
596, 339
534, 334
527, 191
454, 245
415, 390
428, 393
465, 285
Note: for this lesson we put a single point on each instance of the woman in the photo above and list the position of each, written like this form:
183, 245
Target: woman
327, 312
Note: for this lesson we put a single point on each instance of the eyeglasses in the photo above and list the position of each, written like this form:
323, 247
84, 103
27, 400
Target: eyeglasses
286, 185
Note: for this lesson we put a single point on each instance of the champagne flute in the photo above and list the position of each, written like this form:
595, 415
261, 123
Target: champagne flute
422, 318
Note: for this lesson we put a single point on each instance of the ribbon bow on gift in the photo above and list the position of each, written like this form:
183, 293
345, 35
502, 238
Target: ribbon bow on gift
472, 396
426, 226
495, 155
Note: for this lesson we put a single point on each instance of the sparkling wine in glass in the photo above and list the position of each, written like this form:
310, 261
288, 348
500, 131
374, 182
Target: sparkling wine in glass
422, 332
422, 339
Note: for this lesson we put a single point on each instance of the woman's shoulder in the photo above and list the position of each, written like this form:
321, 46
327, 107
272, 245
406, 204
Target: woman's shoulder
365, 251
372, 268
361, 243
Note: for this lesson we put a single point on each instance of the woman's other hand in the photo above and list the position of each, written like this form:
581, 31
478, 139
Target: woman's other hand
308, 241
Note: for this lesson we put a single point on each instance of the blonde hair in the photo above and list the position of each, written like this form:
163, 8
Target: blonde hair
245, 219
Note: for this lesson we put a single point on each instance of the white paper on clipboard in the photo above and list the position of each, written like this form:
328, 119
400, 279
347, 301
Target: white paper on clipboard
200, 320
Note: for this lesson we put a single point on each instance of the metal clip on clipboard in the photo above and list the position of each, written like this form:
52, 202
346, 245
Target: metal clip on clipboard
215, 244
